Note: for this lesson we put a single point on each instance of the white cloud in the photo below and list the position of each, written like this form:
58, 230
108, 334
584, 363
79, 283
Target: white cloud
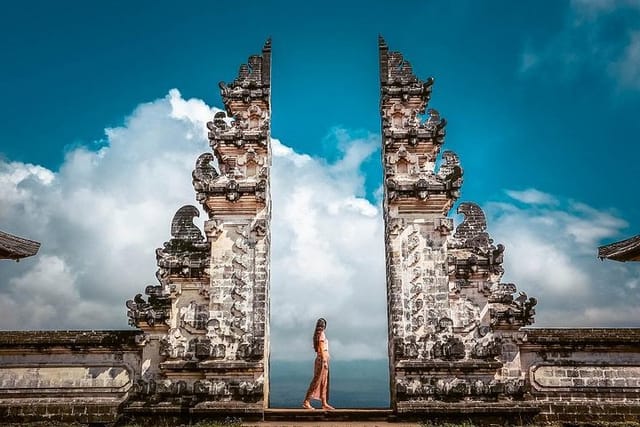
627, 66
551, 254
101, 216
590, 9
594, 7
532, 196
529, 60
328, 255
49, 285
193, 110
599, 36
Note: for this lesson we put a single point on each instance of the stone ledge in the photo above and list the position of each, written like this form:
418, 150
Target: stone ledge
586, 413
431, 407
227, 367
435, 365
286, 414
221, 365
83, 410
118, 339
227, 409
509, 413
597, 337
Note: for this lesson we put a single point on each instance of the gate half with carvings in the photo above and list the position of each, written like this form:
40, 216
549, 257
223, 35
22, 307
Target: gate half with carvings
206, 324
453, 326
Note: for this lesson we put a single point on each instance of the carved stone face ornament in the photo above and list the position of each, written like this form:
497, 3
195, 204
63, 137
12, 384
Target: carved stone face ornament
422, 189
232, 192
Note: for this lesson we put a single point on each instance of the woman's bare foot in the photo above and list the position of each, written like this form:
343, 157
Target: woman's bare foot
307, 405
327, 407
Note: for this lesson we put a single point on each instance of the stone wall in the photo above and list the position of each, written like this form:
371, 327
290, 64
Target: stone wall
582, 375
83, 376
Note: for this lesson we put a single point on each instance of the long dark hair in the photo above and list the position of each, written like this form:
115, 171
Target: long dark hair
321, 324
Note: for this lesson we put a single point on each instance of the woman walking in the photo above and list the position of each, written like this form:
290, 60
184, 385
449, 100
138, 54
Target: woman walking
319, 387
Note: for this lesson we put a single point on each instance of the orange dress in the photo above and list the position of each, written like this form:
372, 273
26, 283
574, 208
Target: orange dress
319, 387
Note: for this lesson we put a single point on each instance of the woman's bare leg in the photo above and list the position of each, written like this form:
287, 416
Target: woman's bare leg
325, 403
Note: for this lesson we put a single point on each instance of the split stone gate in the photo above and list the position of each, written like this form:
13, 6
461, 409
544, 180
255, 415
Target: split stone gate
457, 336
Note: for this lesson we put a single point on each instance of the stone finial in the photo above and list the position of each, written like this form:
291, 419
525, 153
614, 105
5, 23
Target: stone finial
185, 255
397, 77
474, 223
253, 81
182, 226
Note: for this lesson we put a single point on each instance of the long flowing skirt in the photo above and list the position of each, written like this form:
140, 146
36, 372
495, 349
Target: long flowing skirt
319, 387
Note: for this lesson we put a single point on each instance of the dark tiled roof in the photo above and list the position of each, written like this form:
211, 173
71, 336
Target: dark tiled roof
625, 250
14, 247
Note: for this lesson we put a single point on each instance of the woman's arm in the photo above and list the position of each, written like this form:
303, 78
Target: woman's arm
324, 349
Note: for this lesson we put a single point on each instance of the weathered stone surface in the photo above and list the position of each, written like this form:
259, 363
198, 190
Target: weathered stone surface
82, 376
581, 375
446, 301
585, 376
206, 324
456, 332
61, 378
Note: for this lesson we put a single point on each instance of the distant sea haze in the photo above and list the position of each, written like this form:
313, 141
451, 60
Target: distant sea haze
353, 384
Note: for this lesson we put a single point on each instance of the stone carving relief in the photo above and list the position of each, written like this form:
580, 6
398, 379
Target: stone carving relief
185, 256
232, 327
478, 261
246, 127
181, 392
187, 253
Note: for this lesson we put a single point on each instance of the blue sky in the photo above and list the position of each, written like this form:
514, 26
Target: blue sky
69, 71
541, 99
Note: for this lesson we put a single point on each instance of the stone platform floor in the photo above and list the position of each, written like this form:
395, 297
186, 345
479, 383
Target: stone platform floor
338, 417
330, 424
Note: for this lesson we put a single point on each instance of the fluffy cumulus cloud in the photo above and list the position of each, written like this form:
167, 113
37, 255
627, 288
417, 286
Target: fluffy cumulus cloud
551, 254
599, 36
101, 216
328, 254
103, 213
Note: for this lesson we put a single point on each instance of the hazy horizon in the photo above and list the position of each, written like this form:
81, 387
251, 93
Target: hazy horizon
352, 384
